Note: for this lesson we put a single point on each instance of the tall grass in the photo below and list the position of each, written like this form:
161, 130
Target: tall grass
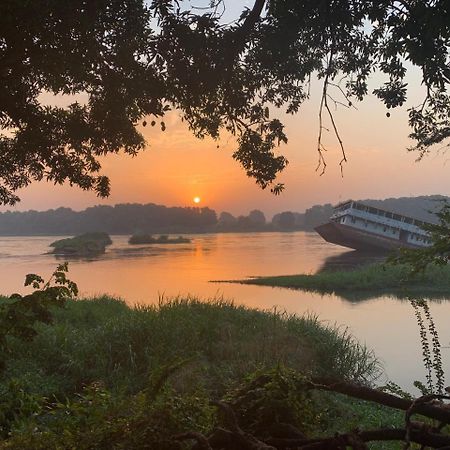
104, 339
98, 376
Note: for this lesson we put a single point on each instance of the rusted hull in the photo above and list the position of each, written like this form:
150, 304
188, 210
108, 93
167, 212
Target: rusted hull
350, 237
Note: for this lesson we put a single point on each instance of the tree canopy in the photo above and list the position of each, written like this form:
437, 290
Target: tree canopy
126, 62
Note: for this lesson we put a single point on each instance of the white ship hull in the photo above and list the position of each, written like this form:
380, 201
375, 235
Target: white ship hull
349, 237
362, 227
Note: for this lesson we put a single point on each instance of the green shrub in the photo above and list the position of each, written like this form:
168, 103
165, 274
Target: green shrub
83, 245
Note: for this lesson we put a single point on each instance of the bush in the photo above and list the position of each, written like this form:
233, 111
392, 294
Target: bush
83, 245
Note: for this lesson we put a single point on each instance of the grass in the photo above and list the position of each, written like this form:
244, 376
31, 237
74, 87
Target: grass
104, 339
85, 381
366, 282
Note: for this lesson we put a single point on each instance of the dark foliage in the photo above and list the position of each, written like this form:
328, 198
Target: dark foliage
438, 253
20, 313
121, 63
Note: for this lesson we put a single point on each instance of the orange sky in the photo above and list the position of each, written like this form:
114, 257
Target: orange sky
176, 167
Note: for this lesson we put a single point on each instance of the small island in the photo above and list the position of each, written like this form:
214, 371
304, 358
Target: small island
87, 244
137, 239
365, 283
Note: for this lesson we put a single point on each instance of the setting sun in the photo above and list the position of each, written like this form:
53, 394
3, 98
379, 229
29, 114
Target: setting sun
197, 199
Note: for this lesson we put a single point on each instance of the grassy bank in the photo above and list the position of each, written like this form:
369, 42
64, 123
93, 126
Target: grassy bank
104, 339
105, 375
366, 282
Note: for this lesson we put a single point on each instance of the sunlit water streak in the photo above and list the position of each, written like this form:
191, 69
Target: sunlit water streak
142, 274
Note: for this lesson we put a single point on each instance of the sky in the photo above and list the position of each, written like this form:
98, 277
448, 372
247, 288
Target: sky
176, 167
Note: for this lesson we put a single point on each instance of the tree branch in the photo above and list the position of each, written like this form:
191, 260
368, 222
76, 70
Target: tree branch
324, 104
241, 33
365, 393
253, 16
419, 435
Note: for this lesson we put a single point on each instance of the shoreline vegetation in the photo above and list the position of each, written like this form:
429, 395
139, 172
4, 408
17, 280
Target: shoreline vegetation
138, 239
133, 377
364, 283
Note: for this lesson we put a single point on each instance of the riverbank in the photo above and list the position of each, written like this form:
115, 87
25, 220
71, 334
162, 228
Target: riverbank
107, 373
366, 282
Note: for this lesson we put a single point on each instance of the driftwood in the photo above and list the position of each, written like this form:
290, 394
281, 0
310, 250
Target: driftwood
232, 437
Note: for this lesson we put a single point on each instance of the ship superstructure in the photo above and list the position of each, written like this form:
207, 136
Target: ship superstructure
363, 227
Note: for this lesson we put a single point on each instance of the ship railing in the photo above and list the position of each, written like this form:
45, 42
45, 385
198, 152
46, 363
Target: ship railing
383, 220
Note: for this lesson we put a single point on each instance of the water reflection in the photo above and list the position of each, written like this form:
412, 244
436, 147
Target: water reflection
349, 260
131, 251
141, 274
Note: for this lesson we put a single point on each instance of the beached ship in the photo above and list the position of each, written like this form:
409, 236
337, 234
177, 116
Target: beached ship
363, 227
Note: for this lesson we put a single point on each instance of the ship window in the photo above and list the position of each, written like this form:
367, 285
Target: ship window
384, 229
353, 220
397, 217
408, 220
372, 210
389, 215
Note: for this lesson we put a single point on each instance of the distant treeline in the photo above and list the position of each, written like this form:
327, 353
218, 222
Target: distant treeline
151, 218
118, 219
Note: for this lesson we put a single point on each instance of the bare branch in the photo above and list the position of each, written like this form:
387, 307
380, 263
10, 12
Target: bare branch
336, 132
324, 103
320, 147
350, 103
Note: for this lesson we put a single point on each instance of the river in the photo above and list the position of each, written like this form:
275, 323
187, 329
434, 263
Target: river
144, 274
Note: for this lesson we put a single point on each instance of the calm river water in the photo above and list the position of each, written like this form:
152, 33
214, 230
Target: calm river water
142, 274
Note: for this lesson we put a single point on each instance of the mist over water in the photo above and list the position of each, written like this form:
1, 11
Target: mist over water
145, 273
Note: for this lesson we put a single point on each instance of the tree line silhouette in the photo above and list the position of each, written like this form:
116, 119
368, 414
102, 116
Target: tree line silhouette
151, 218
